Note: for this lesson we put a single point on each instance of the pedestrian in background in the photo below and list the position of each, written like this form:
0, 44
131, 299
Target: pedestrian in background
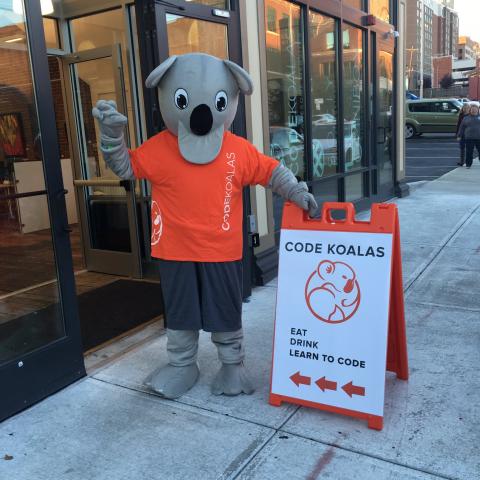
463, 113
470, 128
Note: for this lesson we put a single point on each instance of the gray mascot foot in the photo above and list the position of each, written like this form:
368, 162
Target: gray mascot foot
232, 379
173, 382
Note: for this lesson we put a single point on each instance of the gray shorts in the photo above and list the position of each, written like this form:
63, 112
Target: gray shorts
202, 295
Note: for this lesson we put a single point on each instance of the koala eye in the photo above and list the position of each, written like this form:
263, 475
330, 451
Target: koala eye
221, 101
181, 99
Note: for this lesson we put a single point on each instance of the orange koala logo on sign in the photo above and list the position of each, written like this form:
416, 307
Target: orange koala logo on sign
332, 292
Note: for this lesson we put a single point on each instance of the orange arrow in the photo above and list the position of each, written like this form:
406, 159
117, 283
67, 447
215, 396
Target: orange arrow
351, 389
324, 384
298, 379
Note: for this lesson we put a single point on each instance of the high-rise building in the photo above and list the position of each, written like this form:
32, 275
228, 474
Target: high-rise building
432, 30
450, 31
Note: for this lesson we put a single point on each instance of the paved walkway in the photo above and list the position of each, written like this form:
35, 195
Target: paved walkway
108, 427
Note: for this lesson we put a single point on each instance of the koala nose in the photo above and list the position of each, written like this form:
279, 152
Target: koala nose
201, 120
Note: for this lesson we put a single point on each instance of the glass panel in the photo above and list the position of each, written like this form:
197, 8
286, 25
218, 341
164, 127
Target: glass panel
324, 95
50, 28
325, 191
224, 4
381, 9
354, 187
188, 35
354, 124
29, 317
385, 117
106, 206
285, 79
100, 30
354, 3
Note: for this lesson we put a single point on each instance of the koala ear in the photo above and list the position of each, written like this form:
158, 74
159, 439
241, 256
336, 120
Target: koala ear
156, 75
243, 79
325, 269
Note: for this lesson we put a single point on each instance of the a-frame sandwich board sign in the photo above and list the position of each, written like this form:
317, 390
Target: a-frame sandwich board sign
339, 321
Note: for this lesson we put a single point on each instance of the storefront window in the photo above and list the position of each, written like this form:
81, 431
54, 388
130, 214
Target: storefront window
188, 35
324, 95
30, 316
381, 9
284, 42
353, 96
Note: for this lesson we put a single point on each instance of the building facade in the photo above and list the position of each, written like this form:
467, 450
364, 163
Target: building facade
431, 31
75, 239
467, 48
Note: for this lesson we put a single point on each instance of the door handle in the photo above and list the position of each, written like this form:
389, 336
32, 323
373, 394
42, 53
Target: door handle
61, 193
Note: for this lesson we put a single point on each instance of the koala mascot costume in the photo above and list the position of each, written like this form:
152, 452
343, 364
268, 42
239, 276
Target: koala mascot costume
197, 170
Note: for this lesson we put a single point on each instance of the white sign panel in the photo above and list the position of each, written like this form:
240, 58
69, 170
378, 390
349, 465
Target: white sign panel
332, 318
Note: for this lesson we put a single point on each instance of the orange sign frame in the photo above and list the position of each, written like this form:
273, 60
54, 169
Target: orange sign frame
384, 219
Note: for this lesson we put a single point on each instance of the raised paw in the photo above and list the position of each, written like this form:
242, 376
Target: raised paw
232, 379
172, 382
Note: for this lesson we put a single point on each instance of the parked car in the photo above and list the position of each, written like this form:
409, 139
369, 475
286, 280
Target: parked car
433, 115
287, 146
464, 100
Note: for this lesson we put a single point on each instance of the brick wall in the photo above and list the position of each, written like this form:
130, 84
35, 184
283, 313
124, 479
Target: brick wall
60, 120
441, 66
17, 95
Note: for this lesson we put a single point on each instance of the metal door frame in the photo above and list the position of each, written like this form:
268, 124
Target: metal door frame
387, 45
106, 261
29, 378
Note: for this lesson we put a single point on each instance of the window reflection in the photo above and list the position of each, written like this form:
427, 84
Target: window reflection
285, 66
224, 4
381, 9
354, 3
188, 35
324, 96
354, 187
353, 95
284, 42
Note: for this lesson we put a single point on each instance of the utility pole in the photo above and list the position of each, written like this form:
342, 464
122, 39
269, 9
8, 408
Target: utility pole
422, 44
410, 69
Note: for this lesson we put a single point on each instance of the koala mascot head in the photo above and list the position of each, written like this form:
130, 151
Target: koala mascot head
198, 96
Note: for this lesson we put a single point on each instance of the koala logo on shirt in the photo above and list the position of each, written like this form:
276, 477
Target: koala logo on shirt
332, 292
157, 223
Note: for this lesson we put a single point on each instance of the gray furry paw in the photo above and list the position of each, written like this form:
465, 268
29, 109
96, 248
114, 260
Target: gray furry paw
232, 379
172, 382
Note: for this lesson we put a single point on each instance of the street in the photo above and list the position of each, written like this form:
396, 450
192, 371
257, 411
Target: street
430, 156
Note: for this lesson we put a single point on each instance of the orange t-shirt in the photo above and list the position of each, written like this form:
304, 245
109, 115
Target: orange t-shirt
197, 209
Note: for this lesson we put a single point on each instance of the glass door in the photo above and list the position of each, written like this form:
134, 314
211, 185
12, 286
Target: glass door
40, 350
106, 203
385, 148
197, 27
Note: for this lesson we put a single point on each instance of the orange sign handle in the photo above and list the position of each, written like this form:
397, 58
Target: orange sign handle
347, 207
382, 219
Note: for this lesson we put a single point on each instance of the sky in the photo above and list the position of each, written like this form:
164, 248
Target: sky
469, 16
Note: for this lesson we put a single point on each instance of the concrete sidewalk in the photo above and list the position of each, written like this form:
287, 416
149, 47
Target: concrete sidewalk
108, 427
